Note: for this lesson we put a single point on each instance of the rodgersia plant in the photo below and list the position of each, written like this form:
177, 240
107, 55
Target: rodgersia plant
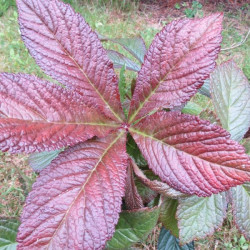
76, 200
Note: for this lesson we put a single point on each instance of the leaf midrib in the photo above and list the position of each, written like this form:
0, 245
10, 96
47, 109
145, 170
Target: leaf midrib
85, 183
155, 139
78, 66
141, 105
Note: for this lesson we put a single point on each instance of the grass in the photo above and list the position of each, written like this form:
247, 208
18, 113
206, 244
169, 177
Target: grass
113, 18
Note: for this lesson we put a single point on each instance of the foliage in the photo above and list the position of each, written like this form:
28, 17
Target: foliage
83, 114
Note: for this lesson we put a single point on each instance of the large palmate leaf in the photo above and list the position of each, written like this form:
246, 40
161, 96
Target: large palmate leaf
178, 61
191, 155
66, 48
133, 226
231, 98
36, 115
75, 202
241, 208
169, 242
8, 232
198, 216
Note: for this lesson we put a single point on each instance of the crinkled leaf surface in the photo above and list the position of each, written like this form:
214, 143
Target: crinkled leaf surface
75, 202
133, 226
8, 232
39, 161
169, 242
198, 216
168, 215
231, 98
178, 61
241, 208
120, 60
66, 48
132, 198
37, 115
191, 155
155, 185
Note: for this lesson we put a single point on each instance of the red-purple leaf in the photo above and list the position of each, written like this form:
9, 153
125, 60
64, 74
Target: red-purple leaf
178, 61
66, 48
75, 202
36, 115
191, 155
132, 198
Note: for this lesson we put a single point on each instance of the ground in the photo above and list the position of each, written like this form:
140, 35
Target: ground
117, 20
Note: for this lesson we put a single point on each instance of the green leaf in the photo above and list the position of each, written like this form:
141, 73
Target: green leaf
134, 152
231, 98
246, 145
241, 208
192, 108
133, 226
119, 60
8, 232
169, 242
205, 88
134, 45
199, 217
39, 161
167, 215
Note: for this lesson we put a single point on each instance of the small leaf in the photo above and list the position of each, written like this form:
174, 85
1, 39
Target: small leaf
192, 108
231, 98
168, 215
191, 155
76, 201
133, 226
178, 61
199, 217
134, 45
169, 242
132, 198
8, 232
241, 204
66, 48
119, 60
39, 161
36, 115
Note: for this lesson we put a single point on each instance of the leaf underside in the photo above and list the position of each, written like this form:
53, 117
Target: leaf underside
231, 98
36, 115
192, 46
198, 216
66, 48
75, 202
191, 155
39, 161
241, 204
